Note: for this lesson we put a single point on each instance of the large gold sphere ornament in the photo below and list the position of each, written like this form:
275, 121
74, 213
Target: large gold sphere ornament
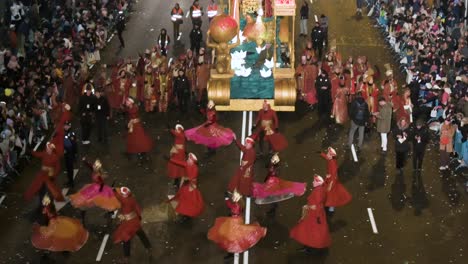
223, 28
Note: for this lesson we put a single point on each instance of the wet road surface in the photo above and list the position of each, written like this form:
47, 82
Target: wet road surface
418, 220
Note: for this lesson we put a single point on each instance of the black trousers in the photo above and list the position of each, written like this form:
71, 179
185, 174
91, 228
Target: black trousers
86, 125
119, 34
176, 30
401, 159
183, 100
69, 160
101, 127
418, 157
318, 47
144, 240
195, 47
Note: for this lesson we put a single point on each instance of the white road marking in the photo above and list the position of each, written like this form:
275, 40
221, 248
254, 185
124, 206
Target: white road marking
39, 143
353, 150
114, 215
110, 38
180, 35
188, 13
372, 220
103, 246
2, 199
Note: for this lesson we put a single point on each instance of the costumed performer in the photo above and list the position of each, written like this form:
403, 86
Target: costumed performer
138, 141
175, 171
242, 180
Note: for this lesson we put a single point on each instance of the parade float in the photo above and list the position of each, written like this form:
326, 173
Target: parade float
254, 56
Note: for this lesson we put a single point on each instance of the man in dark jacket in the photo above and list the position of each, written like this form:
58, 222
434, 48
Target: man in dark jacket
318, 37
359, 115
182, 90
323, 86
120, 27
70, 150
86, 108
196, 38
102, 115
420, 137
304, 19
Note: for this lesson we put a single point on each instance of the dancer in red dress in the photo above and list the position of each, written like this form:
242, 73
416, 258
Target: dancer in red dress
189, 201
175, 171
45, 178
58, 233
242, 180
340, 105
231, 234
210, 133
275, 189
312, 229
130, 222
266, 127
337, 195
138, 142
96, 194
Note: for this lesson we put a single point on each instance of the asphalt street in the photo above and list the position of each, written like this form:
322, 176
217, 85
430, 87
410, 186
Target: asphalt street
423, 223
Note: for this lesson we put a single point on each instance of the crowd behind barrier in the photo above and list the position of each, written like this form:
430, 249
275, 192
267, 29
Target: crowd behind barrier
428, 40
47, 49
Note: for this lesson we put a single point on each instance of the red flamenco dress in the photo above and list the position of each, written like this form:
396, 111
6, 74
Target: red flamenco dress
242, 179
312, 229
46, 176
96, 194
275, 189
188, 199
210, 133
137, 139
60, 234
337, 195
130, 218
277, 141
177, 153
232, 235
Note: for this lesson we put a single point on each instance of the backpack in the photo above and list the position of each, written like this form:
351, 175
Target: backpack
361, 108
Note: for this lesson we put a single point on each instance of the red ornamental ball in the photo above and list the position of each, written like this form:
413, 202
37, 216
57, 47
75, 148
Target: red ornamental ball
223, 28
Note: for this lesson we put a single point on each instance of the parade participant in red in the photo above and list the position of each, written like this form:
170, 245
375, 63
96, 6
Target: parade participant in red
266, 123
242, 180
337, 195
149, 89
121, 84
57, 140
59, 233
45, 178
350, 83
177, 153
404, 106
300, 77
310, 75
312, 229
389, 87
335, 81
340, 105
165, 86
137, 139
130, 222
231, 234
190, 69
96, 194
188, 199
361, 67
309, 52
210, 133
203, 76
275, 189
66, 116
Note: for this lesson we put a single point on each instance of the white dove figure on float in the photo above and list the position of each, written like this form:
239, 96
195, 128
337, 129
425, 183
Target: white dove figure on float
265, 73
269, 63
242, 38
260, 49
237, 59
242, 71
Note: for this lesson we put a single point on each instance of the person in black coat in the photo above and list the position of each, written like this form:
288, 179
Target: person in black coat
182, 90
420, 137
323, 86
318, 36
70, 150
359, 114
86, 108
102, 116
402, 143
196, 37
